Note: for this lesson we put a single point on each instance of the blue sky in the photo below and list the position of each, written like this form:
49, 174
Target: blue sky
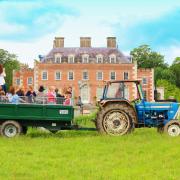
27, 28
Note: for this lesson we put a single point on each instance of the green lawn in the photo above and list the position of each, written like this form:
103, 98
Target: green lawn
144, 154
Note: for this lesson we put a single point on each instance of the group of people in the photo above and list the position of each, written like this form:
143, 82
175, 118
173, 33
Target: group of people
43, 96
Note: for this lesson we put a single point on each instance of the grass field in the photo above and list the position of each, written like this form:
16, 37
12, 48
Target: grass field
144, 154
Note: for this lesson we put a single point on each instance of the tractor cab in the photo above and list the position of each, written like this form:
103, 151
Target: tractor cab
119, 90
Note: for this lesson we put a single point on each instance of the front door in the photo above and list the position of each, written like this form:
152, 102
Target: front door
85, 94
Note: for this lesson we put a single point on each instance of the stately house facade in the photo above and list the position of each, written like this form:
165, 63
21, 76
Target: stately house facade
85, 68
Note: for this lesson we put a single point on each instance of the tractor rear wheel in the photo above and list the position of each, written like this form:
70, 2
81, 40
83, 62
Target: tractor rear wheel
114, 119
11, 129
172, 128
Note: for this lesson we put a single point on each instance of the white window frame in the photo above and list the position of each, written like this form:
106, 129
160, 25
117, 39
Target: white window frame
97, 77
68, 75
57, 56
97, 59
124, 75
143, 80
56, 76
85, 56
18, 79
42, 75
69, 59
83, 75
110, 75
110, 58
28, 80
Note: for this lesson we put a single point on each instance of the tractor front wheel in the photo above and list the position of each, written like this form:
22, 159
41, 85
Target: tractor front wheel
172, 128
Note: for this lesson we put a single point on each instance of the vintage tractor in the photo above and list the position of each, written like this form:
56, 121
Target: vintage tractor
118, 116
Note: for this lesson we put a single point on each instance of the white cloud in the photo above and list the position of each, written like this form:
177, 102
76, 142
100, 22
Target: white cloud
6, 28
171, 52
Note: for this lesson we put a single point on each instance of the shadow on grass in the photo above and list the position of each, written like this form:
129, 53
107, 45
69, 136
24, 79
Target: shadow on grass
35, 133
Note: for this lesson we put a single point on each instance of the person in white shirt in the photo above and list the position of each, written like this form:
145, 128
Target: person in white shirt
2, 76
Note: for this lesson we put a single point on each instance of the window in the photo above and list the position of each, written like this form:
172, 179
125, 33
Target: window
126, 75
112, 59
99, 76
70, 75
44, 75
58, 75
71, 59
144, 81
85, 75
57, 58
85, 58
112, 75
29, 80
99, 59
18, 82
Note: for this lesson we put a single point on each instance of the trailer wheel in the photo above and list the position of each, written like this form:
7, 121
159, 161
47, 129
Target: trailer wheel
11, 129
172, 128
114, 120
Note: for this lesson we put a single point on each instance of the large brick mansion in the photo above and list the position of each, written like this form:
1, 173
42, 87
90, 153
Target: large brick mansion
85, 68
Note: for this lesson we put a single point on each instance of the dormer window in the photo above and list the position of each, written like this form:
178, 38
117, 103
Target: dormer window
99, 59
112, 59
71, 59
57, 58
85, 58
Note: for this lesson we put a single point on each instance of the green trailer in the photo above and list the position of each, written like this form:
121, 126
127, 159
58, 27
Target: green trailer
15, 118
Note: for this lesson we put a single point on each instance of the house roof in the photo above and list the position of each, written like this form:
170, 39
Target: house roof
91, 51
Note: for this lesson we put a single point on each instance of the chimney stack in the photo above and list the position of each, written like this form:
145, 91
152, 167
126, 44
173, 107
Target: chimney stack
111, 42
85, 41
58, 42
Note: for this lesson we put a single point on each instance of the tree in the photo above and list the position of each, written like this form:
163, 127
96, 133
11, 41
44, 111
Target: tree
169, 89
146, 58
164, 73
10, 63
175, 68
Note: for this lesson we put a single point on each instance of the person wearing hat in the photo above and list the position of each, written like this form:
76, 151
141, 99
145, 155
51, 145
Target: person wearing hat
41, 96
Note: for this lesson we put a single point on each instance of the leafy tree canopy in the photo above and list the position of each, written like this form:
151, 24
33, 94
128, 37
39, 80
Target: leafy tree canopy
146, 58
175, 68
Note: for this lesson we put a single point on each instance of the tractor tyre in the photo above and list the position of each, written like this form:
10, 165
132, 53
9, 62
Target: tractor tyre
172, 128
11, 129
114, 119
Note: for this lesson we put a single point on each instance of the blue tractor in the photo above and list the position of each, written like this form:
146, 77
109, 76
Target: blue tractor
119, 116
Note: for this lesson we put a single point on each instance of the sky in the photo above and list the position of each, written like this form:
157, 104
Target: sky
28, 27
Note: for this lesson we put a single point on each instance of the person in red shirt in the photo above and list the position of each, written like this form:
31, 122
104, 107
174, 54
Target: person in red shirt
67, 101
51, 95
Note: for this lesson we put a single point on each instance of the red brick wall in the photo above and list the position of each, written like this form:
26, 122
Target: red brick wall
149, 87
23, 75
78, 69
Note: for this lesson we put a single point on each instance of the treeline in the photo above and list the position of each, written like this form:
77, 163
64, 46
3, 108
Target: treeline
165, 76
